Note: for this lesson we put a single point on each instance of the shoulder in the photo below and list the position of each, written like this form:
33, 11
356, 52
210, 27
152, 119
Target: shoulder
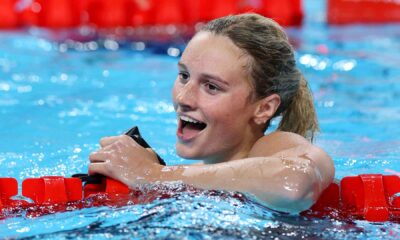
275, 142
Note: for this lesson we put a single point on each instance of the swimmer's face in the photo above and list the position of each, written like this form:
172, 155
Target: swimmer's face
211, 98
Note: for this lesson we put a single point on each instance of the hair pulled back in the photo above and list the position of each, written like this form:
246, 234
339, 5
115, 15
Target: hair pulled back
272, 68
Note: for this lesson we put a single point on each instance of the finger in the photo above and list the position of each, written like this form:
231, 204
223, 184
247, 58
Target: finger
98, 168
105, 141
99, 156
128, 140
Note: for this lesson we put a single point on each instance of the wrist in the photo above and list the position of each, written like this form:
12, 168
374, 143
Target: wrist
154, 173
134, 177
165, 174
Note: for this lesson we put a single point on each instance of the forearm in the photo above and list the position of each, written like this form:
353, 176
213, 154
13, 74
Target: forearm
284, 184
290, 181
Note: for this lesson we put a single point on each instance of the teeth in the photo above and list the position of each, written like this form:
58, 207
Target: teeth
188, 119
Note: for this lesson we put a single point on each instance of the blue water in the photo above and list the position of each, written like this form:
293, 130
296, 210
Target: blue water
57, 100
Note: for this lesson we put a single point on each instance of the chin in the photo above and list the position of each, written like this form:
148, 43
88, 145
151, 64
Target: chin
187, 153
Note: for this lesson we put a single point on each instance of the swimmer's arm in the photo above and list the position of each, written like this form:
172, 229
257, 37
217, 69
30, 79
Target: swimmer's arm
284, 171
284, 183
288, 177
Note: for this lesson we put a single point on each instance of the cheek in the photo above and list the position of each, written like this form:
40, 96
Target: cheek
222, 113
232, 113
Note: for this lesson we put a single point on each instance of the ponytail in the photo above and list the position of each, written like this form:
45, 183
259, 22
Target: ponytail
300, 116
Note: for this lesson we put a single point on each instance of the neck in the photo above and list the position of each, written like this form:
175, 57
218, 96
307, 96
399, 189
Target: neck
239, 152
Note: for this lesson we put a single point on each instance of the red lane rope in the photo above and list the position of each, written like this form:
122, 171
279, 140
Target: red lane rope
363, 11
371, 197
56, 14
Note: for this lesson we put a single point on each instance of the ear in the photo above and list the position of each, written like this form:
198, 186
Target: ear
266, 108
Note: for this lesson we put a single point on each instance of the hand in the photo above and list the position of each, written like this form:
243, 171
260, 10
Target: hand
121, 158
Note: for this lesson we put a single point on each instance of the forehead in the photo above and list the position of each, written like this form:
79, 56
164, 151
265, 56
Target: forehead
215, 54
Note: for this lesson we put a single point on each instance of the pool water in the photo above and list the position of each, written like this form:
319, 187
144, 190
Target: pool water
57, 100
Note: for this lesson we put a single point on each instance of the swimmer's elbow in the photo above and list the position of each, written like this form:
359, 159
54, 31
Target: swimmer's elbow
294, 202
297, 193
298, 201
325, 166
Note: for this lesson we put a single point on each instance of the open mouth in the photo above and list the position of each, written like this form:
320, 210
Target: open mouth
189, 127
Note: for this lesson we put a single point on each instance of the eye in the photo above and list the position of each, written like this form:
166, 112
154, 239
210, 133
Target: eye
184, 76
212, 88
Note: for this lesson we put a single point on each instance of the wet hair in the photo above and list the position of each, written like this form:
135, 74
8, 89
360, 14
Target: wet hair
272, 69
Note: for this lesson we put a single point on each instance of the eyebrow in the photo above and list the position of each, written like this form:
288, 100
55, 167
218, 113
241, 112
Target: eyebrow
181, 65
213, 77
205, 75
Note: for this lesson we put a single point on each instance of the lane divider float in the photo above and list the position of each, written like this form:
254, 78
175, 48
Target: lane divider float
56, 14
371, 197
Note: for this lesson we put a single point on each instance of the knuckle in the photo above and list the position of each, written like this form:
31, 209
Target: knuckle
92, 155
103, 141
125, 138
120, 143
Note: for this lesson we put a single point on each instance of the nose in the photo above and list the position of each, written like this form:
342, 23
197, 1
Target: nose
185, 97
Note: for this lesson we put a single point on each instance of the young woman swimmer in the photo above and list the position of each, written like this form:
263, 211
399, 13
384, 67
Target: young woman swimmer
235, 75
